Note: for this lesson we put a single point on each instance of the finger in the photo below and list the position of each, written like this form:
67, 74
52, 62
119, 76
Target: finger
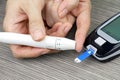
54, 28
60, 29
66, 6
14, 21
82, 6
36, 24
51, 15
83, 23
27, 52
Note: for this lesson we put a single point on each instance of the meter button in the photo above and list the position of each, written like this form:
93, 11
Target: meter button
100, 41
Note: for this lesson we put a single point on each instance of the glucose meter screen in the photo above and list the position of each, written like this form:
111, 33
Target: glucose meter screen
113, 29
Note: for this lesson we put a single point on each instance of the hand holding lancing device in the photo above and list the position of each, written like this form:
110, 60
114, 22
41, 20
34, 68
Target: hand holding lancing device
26, 17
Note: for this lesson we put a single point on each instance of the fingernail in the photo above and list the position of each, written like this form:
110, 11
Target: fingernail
78, 48
63, 13
38, 35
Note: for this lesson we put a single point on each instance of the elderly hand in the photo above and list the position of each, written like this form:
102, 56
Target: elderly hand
26, 17
58, 26
82, 12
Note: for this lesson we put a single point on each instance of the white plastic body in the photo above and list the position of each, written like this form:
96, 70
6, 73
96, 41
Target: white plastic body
49, 42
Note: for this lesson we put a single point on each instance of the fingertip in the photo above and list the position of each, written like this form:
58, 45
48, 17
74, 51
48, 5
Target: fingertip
63, 29
78, 48
38, 35
28, 52
79, 45
79, 41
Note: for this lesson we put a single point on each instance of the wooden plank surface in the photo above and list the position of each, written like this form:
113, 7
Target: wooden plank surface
61, 66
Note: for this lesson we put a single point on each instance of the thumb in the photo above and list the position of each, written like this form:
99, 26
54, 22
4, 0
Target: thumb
66, 6
36, 27
36, 24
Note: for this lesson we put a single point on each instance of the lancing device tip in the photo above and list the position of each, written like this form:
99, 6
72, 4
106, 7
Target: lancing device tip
84, 55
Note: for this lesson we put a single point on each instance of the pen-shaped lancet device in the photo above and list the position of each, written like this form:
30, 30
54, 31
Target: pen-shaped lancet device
49, 42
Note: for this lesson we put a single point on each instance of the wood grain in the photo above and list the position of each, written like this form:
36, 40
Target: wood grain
61, 66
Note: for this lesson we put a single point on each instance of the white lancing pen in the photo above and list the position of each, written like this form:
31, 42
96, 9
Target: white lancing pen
49, 42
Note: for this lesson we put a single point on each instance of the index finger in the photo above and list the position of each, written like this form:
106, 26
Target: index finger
83, 24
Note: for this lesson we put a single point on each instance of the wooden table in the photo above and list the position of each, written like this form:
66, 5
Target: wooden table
61, 66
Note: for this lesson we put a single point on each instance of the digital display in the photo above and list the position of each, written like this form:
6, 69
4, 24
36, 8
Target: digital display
113, 29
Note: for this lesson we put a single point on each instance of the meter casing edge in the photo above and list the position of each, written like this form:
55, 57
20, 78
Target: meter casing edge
108, 50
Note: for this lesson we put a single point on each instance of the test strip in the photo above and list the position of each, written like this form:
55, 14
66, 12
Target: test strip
84, 55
